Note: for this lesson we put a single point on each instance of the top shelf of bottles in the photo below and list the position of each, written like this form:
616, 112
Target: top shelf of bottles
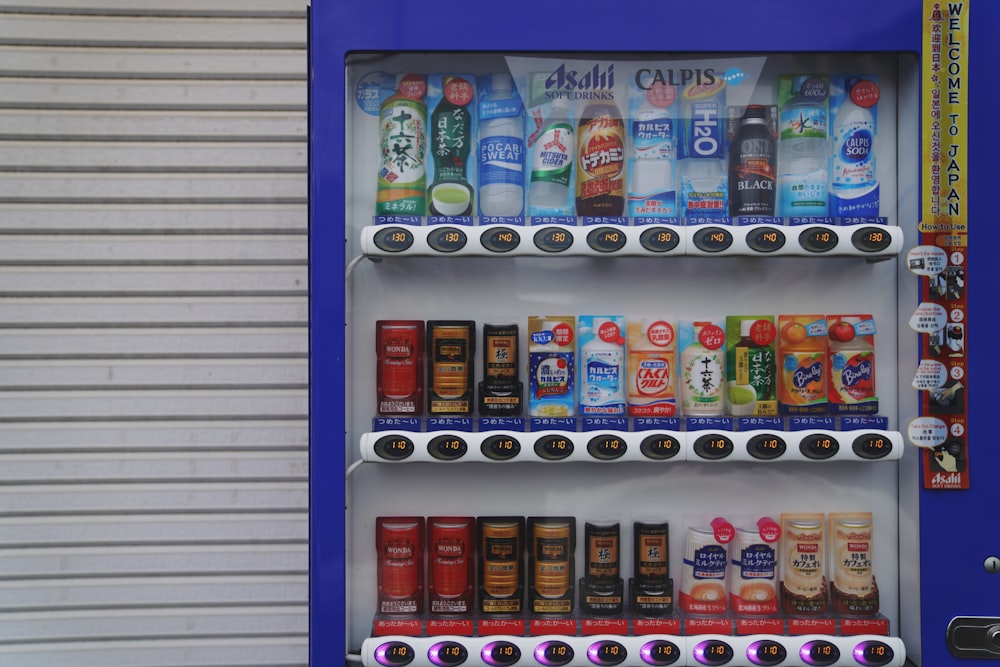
870, 238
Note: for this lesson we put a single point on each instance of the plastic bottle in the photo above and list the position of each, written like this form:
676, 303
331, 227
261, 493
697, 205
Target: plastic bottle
752, 166
451, 143
403, 145
602, 366
852, 364
651, 190
600, 175
803, 148
501, 150
702, 373
552, 159
853, 165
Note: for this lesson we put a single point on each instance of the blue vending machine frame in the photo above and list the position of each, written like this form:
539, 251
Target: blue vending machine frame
957, 533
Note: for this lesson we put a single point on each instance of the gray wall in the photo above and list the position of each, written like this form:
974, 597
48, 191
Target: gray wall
153, 333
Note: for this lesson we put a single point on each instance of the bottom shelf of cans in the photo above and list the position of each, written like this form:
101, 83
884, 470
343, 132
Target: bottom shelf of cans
655, 650
505, 590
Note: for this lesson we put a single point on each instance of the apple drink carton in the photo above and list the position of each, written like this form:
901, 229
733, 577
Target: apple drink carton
451, 136
802, 365
702, 368
751, 372
552, 366
851, 384
854, 188
652, 360
651, 189
701, 151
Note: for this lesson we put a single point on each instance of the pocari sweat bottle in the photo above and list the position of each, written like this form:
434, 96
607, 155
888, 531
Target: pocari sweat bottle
501, 148
803, 152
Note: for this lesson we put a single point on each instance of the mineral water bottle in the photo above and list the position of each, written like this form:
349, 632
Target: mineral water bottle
501, 149
803, 149
553, 156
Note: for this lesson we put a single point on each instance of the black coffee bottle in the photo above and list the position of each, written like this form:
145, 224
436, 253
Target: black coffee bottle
752, 165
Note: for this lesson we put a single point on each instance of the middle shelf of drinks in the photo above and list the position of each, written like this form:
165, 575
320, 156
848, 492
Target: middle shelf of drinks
870, 238
709, 439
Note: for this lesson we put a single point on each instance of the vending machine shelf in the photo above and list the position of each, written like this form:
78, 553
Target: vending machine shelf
872, 239
758, 445
655, 650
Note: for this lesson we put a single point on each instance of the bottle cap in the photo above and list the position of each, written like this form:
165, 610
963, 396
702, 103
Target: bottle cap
745, 326
502, 82
754, 111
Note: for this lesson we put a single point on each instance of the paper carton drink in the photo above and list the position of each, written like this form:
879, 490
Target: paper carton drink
802, 365
552, 366
652, 361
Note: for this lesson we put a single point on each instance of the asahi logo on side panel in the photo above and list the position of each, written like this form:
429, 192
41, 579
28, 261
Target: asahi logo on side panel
596, 83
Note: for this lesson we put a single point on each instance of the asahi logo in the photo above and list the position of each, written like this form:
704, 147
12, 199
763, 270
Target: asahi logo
589, 84
951, 479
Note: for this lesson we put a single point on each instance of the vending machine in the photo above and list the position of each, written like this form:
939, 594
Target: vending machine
641, 334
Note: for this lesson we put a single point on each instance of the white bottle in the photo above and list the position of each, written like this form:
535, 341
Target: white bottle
803, 149
501, 150
652, 165
602, 366
552, 160
853, 164
702, 372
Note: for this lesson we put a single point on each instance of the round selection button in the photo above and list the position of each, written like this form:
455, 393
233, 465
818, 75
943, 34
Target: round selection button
393, 239
819, 447
659, 446
447, 447
500, 447
606, 653
659, 238
766, 446
500, 240
394, 654
766, 653
606, 239
394, 447
872, 446
554, 653
447, 654
500, 653
660, 653
553, 239
873, 653
819, 653
553, 447
713, 653
713, 446
607, 447
447, 239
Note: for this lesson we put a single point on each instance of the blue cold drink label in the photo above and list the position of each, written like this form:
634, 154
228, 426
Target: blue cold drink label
501, 161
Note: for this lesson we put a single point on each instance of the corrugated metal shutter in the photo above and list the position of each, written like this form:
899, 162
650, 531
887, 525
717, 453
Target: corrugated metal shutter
153, 333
